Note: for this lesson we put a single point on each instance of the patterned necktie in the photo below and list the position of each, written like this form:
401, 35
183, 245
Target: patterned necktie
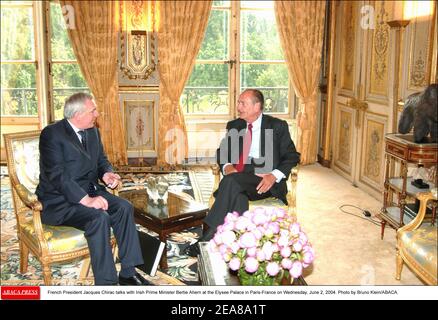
84, 143
246, 147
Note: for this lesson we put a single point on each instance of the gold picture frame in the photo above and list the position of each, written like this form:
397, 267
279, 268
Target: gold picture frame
137, 39
139, 125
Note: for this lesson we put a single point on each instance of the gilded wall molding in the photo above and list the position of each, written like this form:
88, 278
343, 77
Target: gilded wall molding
418, 71
374, 147
419, 52
373, 156
380, 52
345, 137
348, 45
138, 58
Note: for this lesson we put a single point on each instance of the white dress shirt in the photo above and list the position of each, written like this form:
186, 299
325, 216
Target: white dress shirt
76, 130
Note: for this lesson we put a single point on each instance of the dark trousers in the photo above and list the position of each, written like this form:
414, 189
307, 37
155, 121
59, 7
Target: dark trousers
233, 194
97, 224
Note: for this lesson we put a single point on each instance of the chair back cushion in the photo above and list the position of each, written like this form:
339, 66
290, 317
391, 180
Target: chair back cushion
24, 157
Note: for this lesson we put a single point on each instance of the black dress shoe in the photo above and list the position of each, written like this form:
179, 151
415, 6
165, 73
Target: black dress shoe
135, 280
192, 250
207, 235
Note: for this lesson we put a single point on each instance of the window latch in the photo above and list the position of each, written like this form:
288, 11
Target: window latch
230, 62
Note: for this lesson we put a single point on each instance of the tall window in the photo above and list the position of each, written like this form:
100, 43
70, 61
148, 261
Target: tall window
262, 63
241, 50
18, 59
65, 77
22, 78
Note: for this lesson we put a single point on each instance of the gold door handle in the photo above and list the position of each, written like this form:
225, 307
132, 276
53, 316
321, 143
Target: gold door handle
357, 105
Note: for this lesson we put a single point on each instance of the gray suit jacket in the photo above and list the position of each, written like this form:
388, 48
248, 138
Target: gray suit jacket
66, 168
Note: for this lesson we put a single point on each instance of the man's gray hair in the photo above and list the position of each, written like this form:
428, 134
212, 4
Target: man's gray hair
257, 96
76, 103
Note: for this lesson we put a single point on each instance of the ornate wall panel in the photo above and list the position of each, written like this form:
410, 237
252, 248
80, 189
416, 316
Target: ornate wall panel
138, 54
380, 51
345, 139
373, 156
418, 53
348, 42
140, 114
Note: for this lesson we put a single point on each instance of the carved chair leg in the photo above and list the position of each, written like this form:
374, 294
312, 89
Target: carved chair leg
47, 274
382, 229
85, 269
24, 257
399, 265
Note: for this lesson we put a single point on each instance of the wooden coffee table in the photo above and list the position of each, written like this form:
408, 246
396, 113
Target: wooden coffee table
181, 212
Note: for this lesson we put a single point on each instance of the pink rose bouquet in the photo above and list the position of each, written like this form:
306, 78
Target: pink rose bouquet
263, 245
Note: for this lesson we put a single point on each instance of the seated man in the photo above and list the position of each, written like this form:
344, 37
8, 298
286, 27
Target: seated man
71, 161
262, 162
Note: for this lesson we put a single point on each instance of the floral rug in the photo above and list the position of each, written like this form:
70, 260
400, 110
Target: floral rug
181, 267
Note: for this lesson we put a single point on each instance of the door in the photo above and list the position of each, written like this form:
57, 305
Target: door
362, 102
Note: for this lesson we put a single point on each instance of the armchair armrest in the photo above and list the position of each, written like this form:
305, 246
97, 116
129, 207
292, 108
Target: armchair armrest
116, 190
28, 198
414, 224
216, 170
31, 201
292, 192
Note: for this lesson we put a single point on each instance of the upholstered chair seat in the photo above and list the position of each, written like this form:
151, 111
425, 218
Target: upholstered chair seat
268, 202
417, 244
59, 238
421, 246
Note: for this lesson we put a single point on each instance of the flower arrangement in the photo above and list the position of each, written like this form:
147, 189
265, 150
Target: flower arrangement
263, 246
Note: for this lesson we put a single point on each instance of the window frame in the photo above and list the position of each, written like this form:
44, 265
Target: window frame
50, 62
235, 69
27, 119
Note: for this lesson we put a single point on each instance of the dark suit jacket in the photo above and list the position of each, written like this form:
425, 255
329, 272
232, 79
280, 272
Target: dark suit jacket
280, 148
66, 169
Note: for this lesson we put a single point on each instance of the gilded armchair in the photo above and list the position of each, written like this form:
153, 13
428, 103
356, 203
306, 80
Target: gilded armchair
49, 244
268, 202
417, 244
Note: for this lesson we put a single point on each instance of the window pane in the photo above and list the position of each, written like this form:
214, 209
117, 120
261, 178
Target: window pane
219, 3
67, 80
61, 46
272, 79
257, 4
17, 36
207, 90
18, 90
215, 45
259, 37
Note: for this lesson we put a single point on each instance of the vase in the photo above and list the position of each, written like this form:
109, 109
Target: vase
259, 279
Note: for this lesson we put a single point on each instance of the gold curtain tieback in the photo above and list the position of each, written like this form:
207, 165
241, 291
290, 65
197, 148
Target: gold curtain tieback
302, 121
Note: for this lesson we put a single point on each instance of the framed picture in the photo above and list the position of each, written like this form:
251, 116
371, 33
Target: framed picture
140, 122
137, 43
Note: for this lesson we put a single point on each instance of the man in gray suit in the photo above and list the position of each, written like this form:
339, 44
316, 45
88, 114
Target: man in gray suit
72, 160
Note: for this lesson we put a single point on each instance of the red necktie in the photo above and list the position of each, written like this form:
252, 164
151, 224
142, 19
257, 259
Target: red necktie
246, 147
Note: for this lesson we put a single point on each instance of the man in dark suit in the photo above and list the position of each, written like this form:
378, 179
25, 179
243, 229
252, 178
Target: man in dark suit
255, 157
72, 160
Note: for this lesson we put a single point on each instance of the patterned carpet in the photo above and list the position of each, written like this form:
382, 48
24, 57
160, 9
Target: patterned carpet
181, 267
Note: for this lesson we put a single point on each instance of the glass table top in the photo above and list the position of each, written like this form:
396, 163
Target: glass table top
177, 205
